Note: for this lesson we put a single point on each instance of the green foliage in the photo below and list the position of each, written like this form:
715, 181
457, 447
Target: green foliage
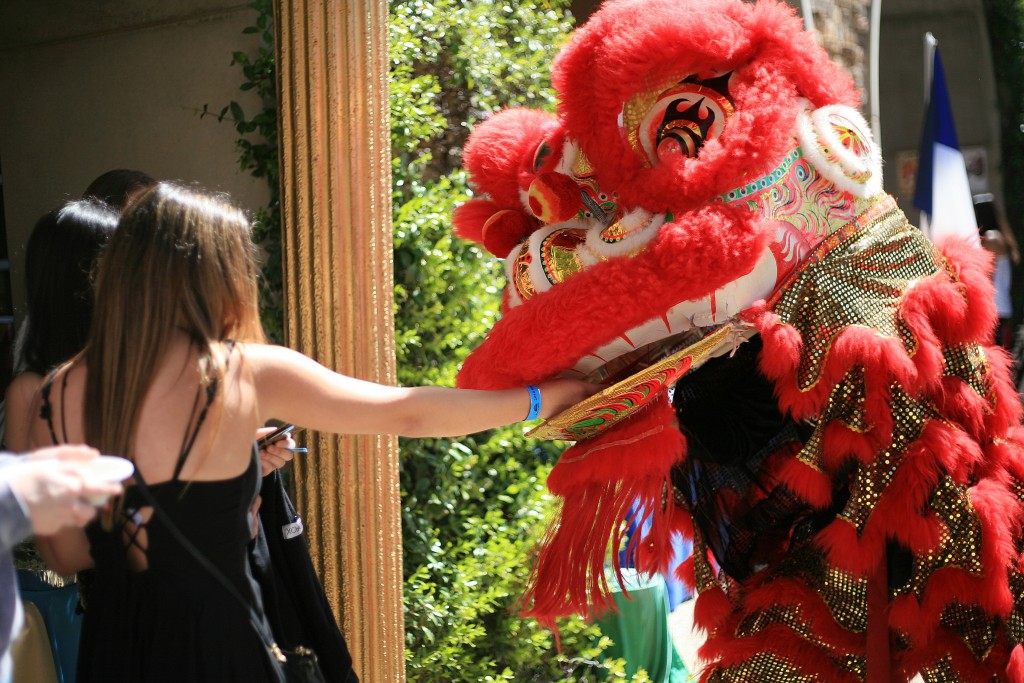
473, 509
257, 154
454, 62
1006, 36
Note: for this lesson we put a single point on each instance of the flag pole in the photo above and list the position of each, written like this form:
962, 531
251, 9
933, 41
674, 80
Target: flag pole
943, 192
930, 43
805, 6
873, 95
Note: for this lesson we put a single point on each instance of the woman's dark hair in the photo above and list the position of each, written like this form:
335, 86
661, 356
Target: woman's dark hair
116, 187
59, 259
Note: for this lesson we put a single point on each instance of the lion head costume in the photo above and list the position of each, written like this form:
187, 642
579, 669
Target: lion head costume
797, 376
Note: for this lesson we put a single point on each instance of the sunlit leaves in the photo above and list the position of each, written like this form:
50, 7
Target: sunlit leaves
472, 509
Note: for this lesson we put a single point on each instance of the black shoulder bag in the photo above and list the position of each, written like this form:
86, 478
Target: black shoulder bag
298, 665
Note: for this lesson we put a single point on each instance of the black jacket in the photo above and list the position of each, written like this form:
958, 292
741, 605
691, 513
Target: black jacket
294, 600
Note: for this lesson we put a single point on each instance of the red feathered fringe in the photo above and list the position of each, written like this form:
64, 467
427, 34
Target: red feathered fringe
975, 442
598, 481
1015, 670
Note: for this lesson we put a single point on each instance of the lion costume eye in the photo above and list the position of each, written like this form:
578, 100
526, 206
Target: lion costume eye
542, 154
676, 121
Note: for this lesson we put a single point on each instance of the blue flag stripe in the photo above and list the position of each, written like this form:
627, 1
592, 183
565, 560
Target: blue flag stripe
938, 129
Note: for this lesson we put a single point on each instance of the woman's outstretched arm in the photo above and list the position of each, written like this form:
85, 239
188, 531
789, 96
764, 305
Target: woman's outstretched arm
294, 388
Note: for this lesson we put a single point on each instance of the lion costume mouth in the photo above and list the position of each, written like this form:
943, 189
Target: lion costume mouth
643, 376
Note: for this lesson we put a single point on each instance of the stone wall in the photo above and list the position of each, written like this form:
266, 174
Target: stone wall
842, 29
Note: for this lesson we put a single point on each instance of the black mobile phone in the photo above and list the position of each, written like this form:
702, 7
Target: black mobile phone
274, 435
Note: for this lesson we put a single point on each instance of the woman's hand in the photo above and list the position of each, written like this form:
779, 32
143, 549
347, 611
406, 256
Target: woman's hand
560, 394
277, 454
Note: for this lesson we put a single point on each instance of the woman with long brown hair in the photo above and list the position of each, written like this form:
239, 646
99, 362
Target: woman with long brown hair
176, 376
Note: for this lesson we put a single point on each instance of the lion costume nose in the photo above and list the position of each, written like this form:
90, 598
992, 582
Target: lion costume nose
554, 197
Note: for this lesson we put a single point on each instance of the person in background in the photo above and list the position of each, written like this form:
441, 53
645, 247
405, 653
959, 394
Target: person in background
176, 377
42, 493
119, 186
60, 257
997, 238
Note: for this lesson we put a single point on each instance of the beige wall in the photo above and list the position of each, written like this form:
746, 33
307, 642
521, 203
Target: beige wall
90, 86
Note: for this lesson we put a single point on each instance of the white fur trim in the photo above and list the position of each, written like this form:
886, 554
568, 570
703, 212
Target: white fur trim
858, 174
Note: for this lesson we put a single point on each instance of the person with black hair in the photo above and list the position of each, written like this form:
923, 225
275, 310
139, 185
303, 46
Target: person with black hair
119, 186
59, 258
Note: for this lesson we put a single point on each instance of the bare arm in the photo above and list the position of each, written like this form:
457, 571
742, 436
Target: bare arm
20, 406
294, 388
1011, 243
66, 551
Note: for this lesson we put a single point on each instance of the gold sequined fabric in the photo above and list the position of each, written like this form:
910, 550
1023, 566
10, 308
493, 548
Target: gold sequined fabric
844, 594
959, 543
763, 666
860, 280
1015, 624
943, 672
860, 283
969, 364
869, 482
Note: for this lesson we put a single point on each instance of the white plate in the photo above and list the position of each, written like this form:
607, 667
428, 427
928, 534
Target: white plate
111, 469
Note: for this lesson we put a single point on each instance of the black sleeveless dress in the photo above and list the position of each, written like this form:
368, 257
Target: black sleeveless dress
153, 613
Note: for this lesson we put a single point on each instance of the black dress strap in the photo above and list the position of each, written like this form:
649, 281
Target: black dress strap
46, 408
211, 393
63, 412
186, 448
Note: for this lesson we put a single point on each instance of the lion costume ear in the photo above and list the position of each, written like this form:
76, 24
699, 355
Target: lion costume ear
503, 155
837, 141
485, 222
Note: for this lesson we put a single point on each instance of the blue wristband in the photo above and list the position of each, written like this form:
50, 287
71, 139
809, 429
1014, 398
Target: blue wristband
534, 403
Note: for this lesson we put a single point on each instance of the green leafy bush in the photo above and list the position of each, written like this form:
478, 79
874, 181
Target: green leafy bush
1006, 38
473, 509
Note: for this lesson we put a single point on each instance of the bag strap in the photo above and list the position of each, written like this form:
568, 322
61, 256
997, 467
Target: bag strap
254, 617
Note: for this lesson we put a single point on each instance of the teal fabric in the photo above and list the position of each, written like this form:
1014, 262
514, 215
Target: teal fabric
63, 624
640, 631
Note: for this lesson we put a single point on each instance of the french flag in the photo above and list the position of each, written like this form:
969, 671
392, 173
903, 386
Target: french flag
943, 193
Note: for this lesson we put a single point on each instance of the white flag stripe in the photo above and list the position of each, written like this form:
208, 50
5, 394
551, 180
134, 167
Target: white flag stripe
953, 209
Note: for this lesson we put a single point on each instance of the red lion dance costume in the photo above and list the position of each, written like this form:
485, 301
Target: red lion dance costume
706, 210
